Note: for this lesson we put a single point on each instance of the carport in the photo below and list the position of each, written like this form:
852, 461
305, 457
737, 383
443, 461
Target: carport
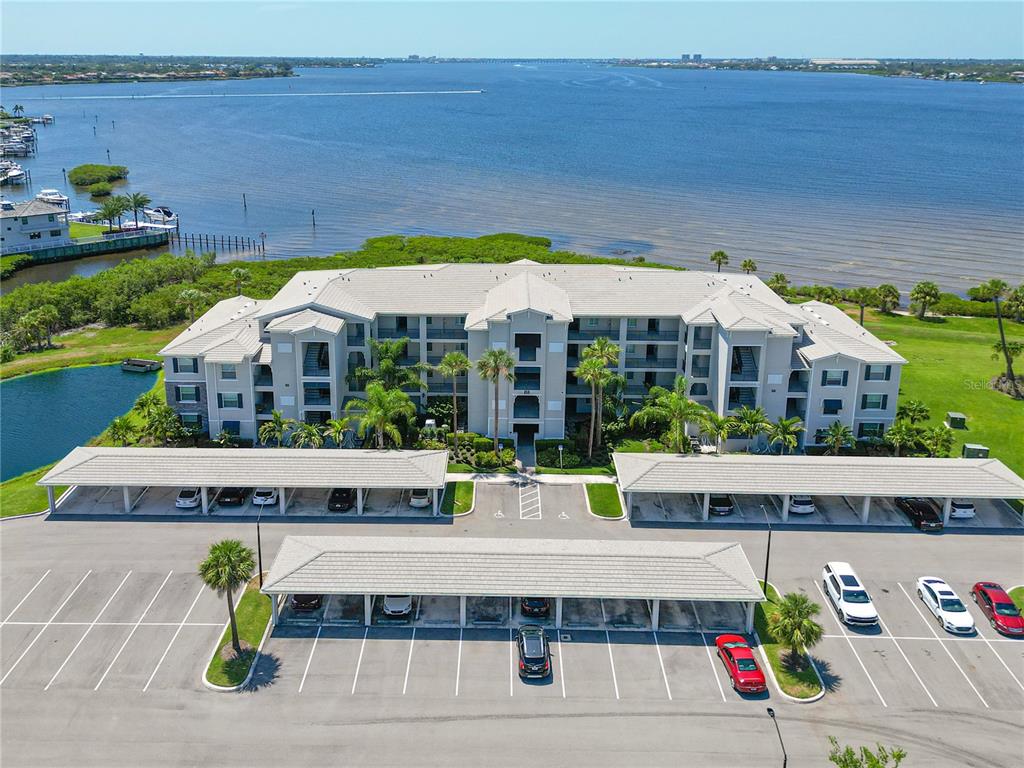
456, 566
785, 476
212, 468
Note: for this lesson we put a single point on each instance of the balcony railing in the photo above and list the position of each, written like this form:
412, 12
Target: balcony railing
264, 406
700, 372
577, 389
445, 387
636, 335
576, 334
409, 360
531, 411
527, 354
447, 333
650, 362
699, 342
319, 371
263, 380
356, 340
744, 374
526, 384
316, 398
635, 389
798, 386
398, 333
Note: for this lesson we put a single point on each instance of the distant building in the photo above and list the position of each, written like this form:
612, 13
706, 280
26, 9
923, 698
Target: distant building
698, 57
684, 57
851, 63
32, 225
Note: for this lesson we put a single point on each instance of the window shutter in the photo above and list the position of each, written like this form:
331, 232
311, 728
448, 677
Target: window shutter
239, 400
824, 377
220, 400
195, 365
885, 401
867, 373
174, 364
863, 402
177, 394
888, 372
846, 375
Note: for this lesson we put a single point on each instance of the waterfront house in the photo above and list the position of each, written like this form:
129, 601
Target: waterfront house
32, 226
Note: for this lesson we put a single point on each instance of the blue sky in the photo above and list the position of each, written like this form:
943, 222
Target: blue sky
576, 28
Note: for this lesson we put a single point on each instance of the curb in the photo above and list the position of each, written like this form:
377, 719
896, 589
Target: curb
771, 672
252, 667
46, 511
471, 506
586, 500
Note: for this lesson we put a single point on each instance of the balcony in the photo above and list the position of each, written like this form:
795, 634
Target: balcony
445, 387
398, 333
457, 334
702, 339
650, 362
635, 390
262, 376
798, 385
264, 403
316, 395
575, 334
356, 340
642, 335
700, 372
577, 389
744, 364
410, 360
316, 360
526, 408
740, 397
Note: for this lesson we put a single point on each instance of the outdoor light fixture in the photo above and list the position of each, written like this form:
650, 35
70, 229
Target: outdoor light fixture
560, 447
771, 714
767, 557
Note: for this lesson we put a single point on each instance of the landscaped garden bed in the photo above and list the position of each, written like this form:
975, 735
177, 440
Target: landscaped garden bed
796, 676
252, 613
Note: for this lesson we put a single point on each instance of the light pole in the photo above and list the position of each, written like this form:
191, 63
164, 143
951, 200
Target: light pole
259, 544
560, 447
768, 552
771, 714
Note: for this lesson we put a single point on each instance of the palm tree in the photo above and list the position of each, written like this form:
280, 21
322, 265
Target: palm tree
121, 430
18, 110
672, 406
276, 429
792, 623
997, 290
380, 411
913, 411
594, 373
778, 283
1014, 303
862, 297
162, 423
887, 297
191, 298
924, 294
241, 276
717, 427
605, 351
786, 432
137, 201
307, 435
453, 365
748, 266
109, 212
335, 429
938, 440
902, 434
123, 206
719, 258
48, 317
493, 366
227, 567
751, 422
388, 371
837, 437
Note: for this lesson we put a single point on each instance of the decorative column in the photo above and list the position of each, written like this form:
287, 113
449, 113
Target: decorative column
367, 609
281, 503
705, 509
359, 501
785, 507
865, 510
655, 614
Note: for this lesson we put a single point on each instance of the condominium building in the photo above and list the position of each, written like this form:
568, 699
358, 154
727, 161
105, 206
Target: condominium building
32, 226
735, 340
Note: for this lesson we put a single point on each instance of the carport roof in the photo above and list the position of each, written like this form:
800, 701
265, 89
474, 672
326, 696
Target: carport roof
499, 567
817, 475
250, 467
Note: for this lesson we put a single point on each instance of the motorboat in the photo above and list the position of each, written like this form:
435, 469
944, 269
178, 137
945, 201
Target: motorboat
53, 196
161, 214
12, 173
84, 217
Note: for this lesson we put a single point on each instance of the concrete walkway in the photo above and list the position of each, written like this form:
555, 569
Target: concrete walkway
515, 477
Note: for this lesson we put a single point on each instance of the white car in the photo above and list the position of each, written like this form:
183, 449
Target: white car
802, 505
188, 498
397, 605
945, 606
419, 497
962, 509
263, 496
848, 595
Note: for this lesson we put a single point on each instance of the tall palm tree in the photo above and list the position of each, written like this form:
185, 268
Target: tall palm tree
138, 202
778, 283
837, 437
887, 297
388, 370
380, 411
901, 435
716, 427
241, 276
605, 351
672, 406
335, 429
720, 258
228, 566
493, 366
751, 422
748, 266
276, 429
191, 298
997, 290
307, 435
146, 403
785, 432
862, 297
121, 430
913, 411
792, 623
18, 110
592, 372
453, 365
109, 212
123, 206
924, 294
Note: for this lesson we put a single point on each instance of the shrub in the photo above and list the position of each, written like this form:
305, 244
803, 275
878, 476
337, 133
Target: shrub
430, 445
549, 458
158, 309
11, 264
100, 189
613, 431
91, 173
486, 459
951, 304
464, 437
507, 456
6, 353
482, 444
640, 446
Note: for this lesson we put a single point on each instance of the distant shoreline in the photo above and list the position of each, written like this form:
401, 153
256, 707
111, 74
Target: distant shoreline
136, 80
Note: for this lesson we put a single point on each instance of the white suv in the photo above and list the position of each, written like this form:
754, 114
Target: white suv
848, 595
801, 505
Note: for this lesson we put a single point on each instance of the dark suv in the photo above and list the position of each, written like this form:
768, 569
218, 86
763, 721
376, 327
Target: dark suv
307, 602
720, 504
535, 606
534, 653
341, 499
233, 497
922, 513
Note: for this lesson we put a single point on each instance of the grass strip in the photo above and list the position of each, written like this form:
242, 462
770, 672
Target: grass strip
604, 500
252, 613
799, 683
603, 469
458, 497
1017, 595
21, 496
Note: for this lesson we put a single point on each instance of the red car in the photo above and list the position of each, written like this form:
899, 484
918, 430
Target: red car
998, 608
745, 674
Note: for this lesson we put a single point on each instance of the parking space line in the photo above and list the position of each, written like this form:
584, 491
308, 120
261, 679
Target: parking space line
511, 663
996, 654
561, 663
134, 628
173, 638
87, 631
359, 661
458, 664
531, 509
849, 642
936, 635
309, 661
27, 596
711, 659
661, 661
40, 632
408, 662
611, 660
900, 649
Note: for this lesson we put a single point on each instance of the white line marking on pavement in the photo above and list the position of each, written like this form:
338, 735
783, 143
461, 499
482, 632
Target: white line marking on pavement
936, 635
40, 633
849, 642
511, 662
408, 662
135, 627
132, 624
661, 661
27, 596
561, 663
359, 661
87, 631
529, 502
900, 649
173, 638
711, 659
615, 680
1005, 666
458, 665
309, 661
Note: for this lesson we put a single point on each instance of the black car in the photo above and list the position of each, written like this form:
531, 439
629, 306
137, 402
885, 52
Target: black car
534, 652
922, 513
720, 504
307, 602
535, 606
233, 497
341, 499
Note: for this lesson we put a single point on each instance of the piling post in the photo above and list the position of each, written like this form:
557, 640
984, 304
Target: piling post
245, 205
314, 218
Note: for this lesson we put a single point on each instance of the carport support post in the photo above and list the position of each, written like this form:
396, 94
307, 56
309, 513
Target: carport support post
273, 609
750, 616
558, 613
206, 500
865, 510
127, 499
51, 500
367, 609
655, 613
436, 510
462, 611
785, 507
947, 507
280, 500
705, 507
629, 503
359, 502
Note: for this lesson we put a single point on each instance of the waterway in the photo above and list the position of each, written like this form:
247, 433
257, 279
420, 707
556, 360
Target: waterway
45, 415
834, 178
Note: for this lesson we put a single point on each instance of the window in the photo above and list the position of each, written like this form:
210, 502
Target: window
185, 364
870, 430
874, 402
54, 233
186, 394
631, 322
698, 390
228, 371
591, 322
631, 349
229, 399
34, 235
50, 217
832, 407
231, 427
24, 220
877, 372
833, 378
191, 420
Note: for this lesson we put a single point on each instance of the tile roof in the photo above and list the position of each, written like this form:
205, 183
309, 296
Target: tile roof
833, 332
459, 565
230, 319
32, 208
304, 320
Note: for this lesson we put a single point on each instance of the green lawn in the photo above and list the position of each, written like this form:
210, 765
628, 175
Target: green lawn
604, 500
604, 469
802, 683
91, 346
1017, 595
950, 365
252, 614
21, 496
458, 497
78, 229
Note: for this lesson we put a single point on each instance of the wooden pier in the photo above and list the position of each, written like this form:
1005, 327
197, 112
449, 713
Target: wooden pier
219, 243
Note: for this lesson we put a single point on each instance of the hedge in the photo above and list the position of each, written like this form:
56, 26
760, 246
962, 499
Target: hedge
11, 264
91, 173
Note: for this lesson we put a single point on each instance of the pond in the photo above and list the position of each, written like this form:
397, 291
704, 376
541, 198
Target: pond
45, 415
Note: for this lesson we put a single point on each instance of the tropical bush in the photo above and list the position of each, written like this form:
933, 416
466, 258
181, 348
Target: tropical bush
507, 457
100, 189
11, 264
429, 444
482, 444
92, 173
549, 458
486, 460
